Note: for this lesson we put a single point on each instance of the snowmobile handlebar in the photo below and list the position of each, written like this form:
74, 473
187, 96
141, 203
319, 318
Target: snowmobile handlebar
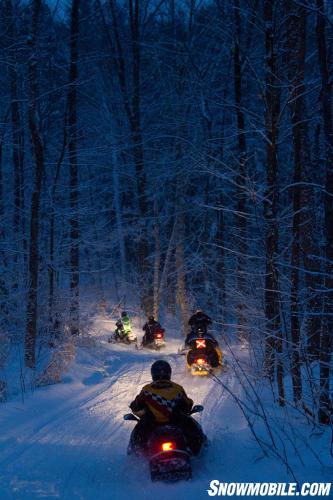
195, 409
130, 416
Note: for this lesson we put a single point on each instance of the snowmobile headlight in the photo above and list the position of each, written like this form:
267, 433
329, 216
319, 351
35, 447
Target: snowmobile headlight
200, 361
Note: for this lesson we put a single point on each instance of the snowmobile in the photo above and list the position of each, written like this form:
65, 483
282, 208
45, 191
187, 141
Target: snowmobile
158, 340
200, 366
168, 455
121, 336
204, 356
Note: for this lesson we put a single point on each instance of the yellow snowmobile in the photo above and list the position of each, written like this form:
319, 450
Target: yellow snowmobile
204, 355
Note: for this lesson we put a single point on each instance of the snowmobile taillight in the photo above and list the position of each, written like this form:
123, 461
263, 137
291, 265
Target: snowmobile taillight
159, 335
169, 446
200, 361
200, 344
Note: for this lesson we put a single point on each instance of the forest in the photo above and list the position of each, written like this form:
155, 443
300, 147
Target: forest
165, 155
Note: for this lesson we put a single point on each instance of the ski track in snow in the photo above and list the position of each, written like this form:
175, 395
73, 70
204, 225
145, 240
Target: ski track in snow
69, 441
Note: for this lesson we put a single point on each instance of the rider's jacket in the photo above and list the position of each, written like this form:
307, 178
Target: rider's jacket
199, 320
162, 398
126, 324
150, 328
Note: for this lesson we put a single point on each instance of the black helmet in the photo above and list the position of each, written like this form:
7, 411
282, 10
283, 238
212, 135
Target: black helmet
123, 314
198, 311
160, 370
151, 318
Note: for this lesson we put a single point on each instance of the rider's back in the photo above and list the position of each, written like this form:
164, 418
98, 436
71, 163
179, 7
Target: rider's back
162, 398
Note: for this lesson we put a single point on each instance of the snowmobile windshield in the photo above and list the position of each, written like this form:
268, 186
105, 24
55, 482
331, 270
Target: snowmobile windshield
201, 342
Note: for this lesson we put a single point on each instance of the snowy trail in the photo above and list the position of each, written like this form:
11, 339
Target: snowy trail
69, 441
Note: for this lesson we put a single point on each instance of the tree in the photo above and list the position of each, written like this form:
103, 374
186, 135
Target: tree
73, 166
326, 334
38, 152
272, 102
296, 59
242, 160
17, 125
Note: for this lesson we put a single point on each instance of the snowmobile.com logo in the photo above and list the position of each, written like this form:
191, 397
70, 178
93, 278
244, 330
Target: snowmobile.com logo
268, 489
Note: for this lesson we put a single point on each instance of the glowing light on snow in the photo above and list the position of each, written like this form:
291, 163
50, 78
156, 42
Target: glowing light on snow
168, 446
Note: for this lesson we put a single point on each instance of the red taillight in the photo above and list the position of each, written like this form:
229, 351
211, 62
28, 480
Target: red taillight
200, 344
158, 335
169, 446
200, 361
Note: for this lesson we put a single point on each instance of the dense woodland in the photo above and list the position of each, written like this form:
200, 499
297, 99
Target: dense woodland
177, 153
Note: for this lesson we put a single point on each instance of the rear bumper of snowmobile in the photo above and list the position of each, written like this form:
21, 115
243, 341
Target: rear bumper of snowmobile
170, 466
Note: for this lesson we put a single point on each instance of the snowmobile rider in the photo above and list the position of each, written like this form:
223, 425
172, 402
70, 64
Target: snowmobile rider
199, 331
162, 402
126, 322
199, 320
150, 328
123, 325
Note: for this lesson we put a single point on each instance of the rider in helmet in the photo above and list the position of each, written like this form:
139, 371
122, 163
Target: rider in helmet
199, 323
126, 322
162, 402
123, 326
150, 328
199, 320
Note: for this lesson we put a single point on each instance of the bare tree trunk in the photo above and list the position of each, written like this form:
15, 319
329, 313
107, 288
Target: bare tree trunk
181, 294
138, 153
313, 278
3, 258
119, 221
311, 251
52, 273
296, 61
18, 153
73, 165
38, 151
132, 106
220, 266
157, 261
241, 198
17, 126
166, 268
325, 409
1, 187
272, 303
221, 229
17, 132
2, 138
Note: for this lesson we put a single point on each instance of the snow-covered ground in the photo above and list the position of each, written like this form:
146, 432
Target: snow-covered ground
69, 440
